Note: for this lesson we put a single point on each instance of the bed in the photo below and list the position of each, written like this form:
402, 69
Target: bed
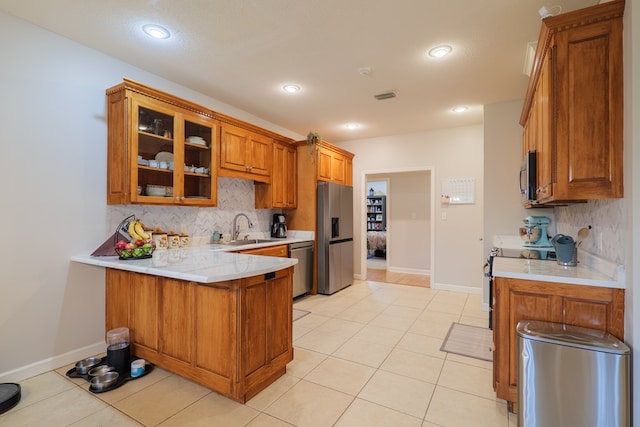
377, 243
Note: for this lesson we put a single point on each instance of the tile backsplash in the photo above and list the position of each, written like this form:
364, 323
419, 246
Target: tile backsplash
234, 196
607, 219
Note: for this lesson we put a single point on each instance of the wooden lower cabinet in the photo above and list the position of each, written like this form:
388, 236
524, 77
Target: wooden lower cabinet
266, 334
279, 251
515, 300
234, 337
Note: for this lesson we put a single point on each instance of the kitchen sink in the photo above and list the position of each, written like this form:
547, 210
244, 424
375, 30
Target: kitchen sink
247, 242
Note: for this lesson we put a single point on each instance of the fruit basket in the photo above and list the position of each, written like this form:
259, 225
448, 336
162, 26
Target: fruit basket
131, 241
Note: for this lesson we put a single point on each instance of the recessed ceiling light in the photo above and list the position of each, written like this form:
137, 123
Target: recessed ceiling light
460, 109
156, 31
353, 126
440, 51
291, 88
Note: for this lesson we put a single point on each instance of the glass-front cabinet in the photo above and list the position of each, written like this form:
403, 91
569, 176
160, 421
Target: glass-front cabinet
172, 150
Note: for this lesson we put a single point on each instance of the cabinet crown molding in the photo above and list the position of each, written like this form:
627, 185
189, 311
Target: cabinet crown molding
134, 86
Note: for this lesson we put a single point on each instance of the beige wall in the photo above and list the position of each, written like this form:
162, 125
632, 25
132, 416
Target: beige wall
409, 221
53, 110
449, 153
503, 211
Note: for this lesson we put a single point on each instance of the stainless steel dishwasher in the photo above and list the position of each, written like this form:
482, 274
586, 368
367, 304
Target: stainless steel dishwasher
303, 270
571, 376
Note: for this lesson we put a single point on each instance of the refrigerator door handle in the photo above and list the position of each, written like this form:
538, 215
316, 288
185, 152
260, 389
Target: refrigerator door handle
333, 242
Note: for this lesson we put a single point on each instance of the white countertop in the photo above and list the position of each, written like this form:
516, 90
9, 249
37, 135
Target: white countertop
590, 271
203, 264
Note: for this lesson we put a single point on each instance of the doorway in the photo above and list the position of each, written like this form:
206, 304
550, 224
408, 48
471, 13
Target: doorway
407, 236
376, 219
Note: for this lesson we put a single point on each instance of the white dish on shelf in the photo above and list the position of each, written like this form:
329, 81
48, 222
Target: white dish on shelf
164, 156
196, 140
156, 190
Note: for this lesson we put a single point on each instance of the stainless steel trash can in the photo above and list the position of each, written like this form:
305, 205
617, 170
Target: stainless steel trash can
571, 376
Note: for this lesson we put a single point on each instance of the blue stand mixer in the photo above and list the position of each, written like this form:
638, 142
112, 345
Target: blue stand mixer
534, 232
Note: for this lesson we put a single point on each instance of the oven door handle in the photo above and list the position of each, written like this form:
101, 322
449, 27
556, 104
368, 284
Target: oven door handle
485, 268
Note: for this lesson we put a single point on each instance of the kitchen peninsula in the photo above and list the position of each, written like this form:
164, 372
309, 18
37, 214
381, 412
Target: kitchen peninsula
219, 318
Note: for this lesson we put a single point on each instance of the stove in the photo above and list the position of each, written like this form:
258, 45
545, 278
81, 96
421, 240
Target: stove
525, 252
545, 254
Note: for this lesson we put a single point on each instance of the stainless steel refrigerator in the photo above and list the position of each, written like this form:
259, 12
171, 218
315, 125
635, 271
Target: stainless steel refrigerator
335, 237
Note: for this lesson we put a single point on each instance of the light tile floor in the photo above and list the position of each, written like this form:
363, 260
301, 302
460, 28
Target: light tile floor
366, 356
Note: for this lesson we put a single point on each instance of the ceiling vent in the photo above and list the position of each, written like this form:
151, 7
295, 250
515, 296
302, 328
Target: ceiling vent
385, 95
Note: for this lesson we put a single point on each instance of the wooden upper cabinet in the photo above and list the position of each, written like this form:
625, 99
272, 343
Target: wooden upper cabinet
334, 165
145, 126
282, 192
573, 110
245, 154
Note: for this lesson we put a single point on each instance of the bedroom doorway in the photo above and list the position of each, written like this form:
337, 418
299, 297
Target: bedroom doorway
404, 243
377, 192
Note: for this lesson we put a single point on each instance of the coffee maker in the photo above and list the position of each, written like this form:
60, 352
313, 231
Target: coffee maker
279, 227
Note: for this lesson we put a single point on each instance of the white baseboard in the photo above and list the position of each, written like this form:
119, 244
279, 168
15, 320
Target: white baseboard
485, 307
409, 271
456, 288
52, 363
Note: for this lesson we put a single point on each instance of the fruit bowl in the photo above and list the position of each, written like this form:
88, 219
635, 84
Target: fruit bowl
131, 241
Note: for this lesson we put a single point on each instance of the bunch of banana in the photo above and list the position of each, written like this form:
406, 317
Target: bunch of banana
136, 231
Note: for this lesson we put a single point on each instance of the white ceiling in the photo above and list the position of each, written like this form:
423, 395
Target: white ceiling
242, 52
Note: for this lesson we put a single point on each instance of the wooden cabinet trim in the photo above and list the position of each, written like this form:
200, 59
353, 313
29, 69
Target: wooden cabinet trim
167, 98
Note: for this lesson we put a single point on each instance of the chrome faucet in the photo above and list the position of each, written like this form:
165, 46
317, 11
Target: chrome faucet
236, 228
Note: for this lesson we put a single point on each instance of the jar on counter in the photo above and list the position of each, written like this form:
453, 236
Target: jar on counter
173, 241
161, 240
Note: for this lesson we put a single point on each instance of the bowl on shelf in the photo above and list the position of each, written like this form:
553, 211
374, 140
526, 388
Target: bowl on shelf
196, 140
156, 190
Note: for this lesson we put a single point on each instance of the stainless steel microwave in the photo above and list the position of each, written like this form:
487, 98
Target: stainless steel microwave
528, 177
